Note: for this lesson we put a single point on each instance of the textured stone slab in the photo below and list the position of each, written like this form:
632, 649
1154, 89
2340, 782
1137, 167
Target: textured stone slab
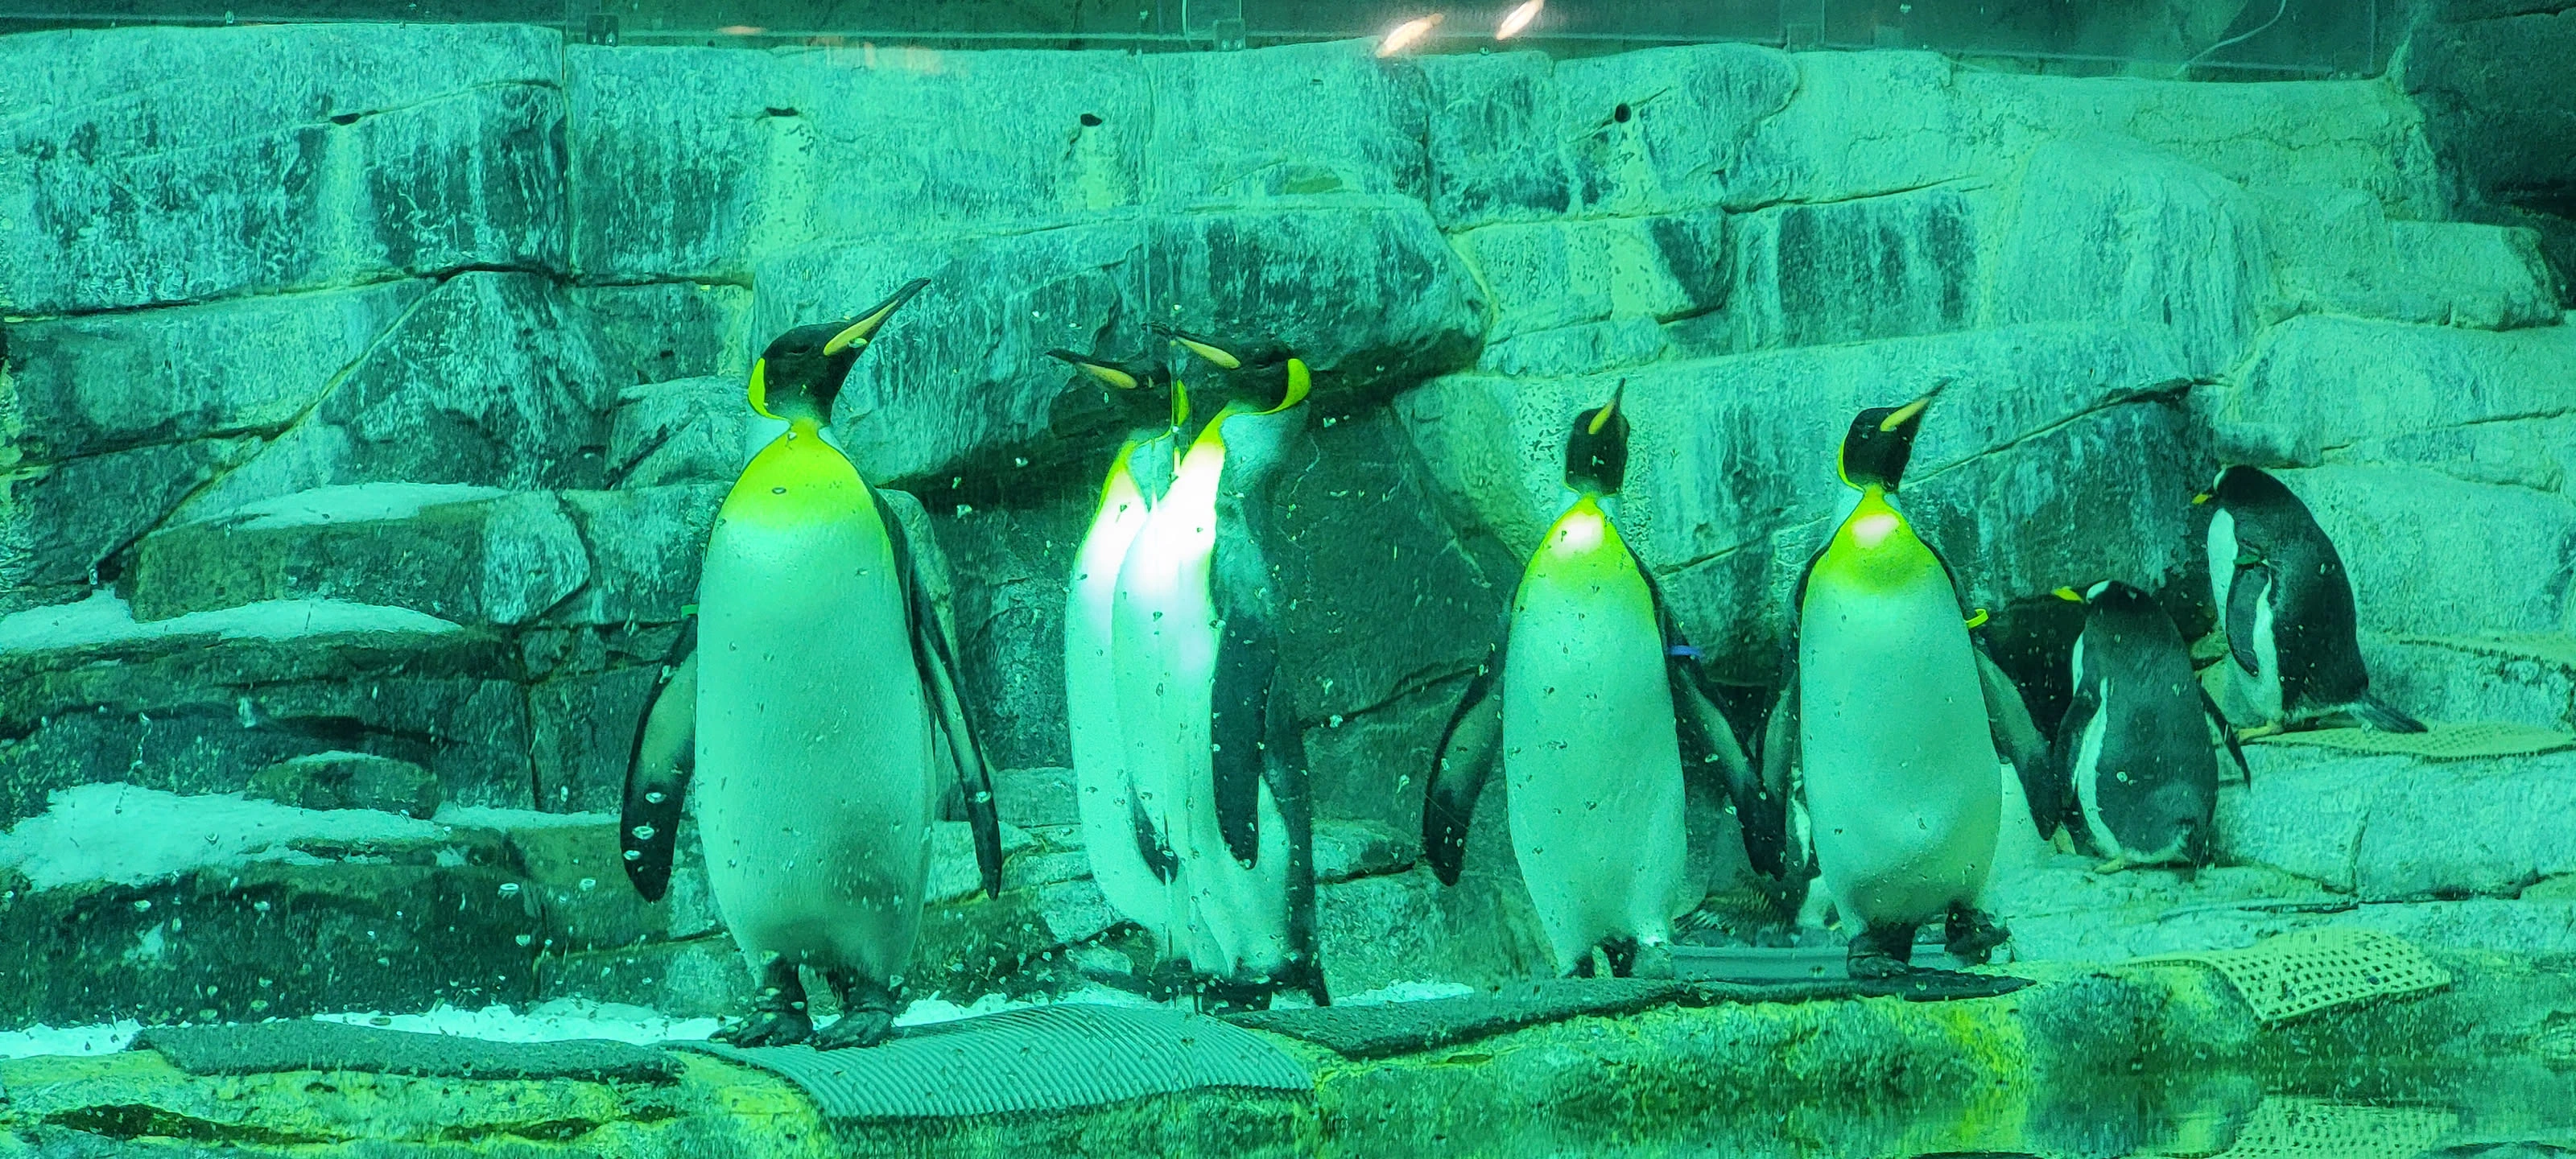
303, 156
2102, 229
1879, 267
60, 522
464, 554
2432, 555
493, 380
646, 545
1544, 276
1296, 120
687, 430
82, 386
671, 330
336, 1046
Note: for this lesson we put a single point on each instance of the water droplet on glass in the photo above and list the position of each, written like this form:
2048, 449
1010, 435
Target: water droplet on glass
642, 832
654, 798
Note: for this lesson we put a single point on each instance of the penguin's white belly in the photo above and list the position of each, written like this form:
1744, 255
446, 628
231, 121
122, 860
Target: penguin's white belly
1900, 770
814, 780
1589, 750
1229, 920
2254, 698
1091, 712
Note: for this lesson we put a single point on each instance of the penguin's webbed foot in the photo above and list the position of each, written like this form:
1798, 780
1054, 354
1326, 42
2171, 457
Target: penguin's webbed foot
856, 1028
1652, 960
1169, 980
1881, 952
783, 1027
1973, 934
1220, 996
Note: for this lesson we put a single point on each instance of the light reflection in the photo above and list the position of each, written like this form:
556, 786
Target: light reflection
1518, 19
1407, 33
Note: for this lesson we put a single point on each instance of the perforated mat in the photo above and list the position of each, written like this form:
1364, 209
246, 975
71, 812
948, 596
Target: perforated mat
2295, 1128
2305, 971
1042, 1058
2439, 742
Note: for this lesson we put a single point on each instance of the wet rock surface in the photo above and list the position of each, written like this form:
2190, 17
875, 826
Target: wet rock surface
365, 414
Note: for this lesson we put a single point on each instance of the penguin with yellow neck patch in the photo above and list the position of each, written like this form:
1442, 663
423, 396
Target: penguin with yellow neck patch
1593, 705
1887, 726
809, 717
1213, 748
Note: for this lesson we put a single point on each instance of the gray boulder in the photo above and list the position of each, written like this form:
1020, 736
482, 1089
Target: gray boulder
60, 522
301, 157
686, 430
2104, 230
1549, 275
197, 703
2432, 555
671, 330
466, 554
2517, 677
646, 545
1295, 120
2395, 828
492, 380
340, 780
1843, 271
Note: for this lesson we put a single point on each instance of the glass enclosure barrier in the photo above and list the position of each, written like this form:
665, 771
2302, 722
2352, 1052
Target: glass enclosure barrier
2203, 39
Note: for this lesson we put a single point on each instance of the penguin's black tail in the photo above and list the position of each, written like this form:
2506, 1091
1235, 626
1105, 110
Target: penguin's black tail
2381, 715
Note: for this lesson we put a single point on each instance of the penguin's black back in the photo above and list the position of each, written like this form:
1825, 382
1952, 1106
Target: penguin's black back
2313, 619
2138, 671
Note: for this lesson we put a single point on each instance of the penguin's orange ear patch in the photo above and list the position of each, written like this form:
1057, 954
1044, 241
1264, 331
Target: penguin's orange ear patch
759, 392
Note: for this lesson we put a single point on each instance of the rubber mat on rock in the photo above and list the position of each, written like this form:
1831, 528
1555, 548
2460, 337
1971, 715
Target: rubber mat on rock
1042, 1058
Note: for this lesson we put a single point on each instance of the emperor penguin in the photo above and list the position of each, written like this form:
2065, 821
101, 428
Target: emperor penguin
2286, 607
1887, 725
1134, 875
1593, 704
1213, 748
2135, 740
808, 711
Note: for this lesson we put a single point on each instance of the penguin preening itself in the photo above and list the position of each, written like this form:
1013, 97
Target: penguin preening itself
801, 710
2286, 607
1213, 749
1593, 705
2134, 745
1134, 876
1888, 724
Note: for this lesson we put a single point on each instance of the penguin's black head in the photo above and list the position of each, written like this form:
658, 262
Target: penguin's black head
801, 373
1881, 440
1596, 453
1255, 369
2238, 488
1131, 393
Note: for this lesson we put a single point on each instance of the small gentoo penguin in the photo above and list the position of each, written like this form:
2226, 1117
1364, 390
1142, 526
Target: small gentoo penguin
801, 711
1214, 753
1594, 705
1887, 727
2135, 742
2286, 607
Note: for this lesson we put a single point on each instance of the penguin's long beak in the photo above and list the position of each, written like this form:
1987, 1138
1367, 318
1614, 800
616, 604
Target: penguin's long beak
1104, 371
2070, 595
1608, 409
861, 329
1912, 410
1199, 345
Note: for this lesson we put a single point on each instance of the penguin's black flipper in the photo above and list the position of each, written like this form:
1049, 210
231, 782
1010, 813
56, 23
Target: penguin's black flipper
1247, 663
1707, 737
1767, 836
658, 767
1284, 770
2244, 599
2226, 732
934, 657
1471, 744
2017, 738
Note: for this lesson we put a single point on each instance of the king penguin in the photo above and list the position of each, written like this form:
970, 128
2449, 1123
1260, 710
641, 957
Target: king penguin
1135, 877
1887, 725
2135, 739
1594, 705
803, 714
2287, 610
1213, 746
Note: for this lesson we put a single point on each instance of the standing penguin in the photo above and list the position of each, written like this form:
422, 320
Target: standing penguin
1601, 707
2135, 739
1134, 875
2287, 609
818, 672
1213, 747
1887, 726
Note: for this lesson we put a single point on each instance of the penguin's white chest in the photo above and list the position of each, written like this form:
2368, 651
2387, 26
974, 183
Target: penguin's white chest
1900, 769
814, 781
2254, 697
1099, 748
1229, 919
1589, 749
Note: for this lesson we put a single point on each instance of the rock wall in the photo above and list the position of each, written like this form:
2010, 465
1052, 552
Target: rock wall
374, 397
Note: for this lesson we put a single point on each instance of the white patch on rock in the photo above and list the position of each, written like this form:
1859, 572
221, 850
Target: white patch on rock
559, 1020
105, 619
355, 503
128, 835
97, 1038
